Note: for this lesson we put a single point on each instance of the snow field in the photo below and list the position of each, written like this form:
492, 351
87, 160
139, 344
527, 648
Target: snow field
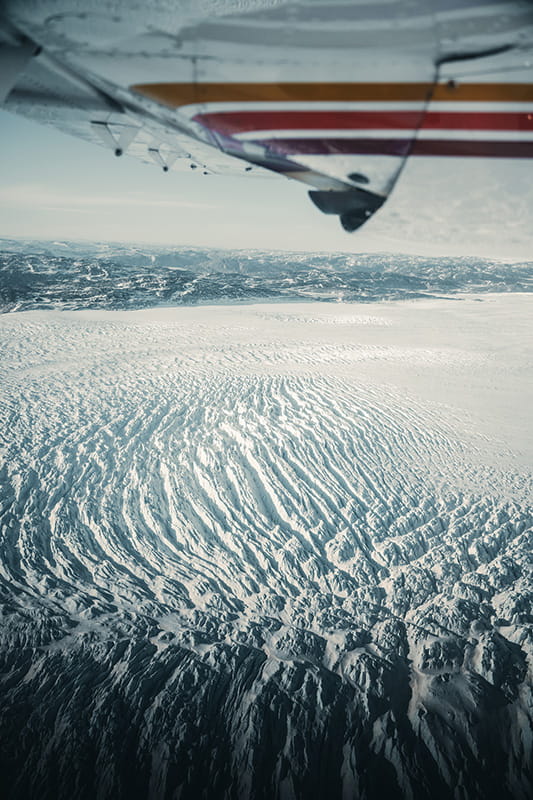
296, 491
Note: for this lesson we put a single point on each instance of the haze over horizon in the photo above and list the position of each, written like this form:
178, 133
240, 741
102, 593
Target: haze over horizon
57, 187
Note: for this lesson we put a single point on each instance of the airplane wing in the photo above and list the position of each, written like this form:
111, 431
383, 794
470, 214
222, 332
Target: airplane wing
338, 95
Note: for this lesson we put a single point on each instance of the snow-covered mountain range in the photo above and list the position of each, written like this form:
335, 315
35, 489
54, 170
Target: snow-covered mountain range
62, 275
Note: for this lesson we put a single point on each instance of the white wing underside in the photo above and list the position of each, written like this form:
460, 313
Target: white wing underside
99, 74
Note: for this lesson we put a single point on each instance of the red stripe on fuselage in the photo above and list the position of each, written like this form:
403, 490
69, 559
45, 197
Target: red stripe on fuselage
399, 147
232, 122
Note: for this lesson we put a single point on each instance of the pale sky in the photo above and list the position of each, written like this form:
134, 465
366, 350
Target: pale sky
55, 186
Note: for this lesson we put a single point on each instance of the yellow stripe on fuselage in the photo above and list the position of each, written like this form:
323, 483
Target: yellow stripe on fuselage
175, 95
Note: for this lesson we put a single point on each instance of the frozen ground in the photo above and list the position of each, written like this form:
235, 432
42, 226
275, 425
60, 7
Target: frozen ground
269, 551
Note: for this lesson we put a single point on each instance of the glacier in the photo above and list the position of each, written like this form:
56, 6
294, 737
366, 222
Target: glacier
267, 549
